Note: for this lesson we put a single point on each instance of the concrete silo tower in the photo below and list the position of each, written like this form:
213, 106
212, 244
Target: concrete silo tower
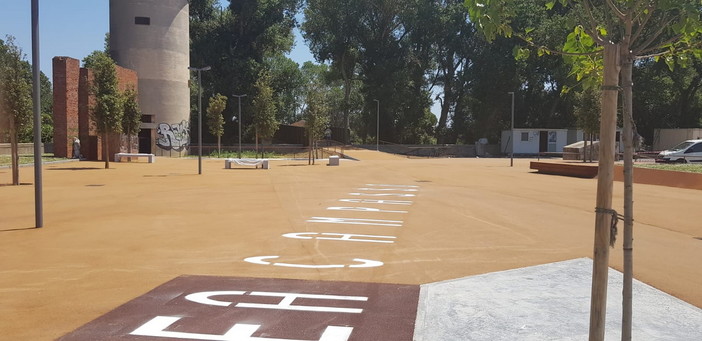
152, 37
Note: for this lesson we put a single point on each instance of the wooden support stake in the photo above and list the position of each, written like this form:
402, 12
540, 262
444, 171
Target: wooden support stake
605, 178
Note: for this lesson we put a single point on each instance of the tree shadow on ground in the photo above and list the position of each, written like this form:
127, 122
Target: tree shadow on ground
76, 168
17, 229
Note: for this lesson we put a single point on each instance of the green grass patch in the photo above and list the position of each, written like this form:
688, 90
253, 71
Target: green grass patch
678, 167
27, 159
245, 154
251, 154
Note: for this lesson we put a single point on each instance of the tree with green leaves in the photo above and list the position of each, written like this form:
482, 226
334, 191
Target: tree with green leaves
15, 99
107, 112
624, 30
241, 39
215, 120
665, 98
131, 120
288, 85
264, 122
384, 45
454, 39
316, 116
587, 114
338, 106
46, 109
332, 28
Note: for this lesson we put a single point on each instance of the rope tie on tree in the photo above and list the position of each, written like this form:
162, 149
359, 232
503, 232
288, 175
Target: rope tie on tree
615, 219
611, 88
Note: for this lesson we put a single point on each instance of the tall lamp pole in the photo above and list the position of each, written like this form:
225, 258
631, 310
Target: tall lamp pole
199, 115
377, 128
239, 97
36, 99
511, 152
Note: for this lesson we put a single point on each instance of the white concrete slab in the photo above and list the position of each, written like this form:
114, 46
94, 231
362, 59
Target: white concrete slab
546, 302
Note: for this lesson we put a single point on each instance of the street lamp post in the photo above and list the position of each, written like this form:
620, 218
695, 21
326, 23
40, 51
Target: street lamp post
239, 97
377, 127
511, 152
199, 115
36, 102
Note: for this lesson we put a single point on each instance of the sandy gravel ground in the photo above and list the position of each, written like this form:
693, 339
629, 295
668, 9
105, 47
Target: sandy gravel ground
112, 235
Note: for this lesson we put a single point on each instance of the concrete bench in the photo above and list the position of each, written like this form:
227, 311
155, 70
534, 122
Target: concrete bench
333, 160
567, 169
151, 157
247, 162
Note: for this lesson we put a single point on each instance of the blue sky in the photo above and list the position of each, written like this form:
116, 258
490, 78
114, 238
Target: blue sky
74, 28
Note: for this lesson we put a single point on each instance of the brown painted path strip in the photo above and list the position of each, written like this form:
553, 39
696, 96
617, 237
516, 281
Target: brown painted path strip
206, 308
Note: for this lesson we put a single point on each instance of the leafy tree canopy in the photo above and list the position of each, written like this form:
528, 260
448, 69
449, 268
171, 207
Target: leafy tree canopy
215, 120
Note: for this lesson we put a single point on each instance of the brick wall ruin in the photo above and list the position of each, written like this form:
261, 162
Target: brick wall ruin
72, 103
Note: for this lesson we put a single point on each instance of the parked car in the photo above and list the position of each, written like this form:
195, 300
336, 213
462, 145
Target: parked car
686, 152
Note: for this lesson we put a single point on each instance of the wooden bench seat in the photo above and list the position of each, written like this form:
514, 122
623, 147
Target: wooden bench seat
567, 169
247, 162
151, 157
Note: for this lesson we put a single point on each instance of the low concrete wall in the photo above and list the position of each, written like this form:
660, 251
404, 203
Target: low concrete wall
24, 148
439, 150
661, 177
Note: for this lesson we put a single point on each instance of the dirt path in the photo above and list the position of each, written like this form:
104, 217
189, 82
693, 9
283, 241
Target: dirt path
112, 235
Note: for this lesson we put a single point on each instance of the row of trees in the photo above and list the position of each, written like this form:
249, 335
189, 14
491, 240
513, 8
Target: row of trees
246, 44
315, 111
16, 121
409, 55
113, 112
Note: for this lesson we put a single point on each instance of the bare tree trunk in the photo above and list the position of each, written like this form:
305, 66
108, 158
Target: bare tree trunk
592, 148
443, 116
14, 151
347, 75
347, 95
219, 145
605, 178
309, 151
628, 137
256, 141
585, 148
105, 149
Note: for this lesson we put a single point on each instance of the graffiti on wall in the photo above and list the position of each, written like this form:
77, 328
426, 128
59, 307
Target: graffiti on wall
173, 136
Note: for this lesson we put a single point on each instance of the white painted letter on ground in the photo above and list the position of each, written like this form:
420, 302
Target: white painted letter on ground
341, 236
355, 221
156, 327
284, 304
375, 201
363, 209
364, 263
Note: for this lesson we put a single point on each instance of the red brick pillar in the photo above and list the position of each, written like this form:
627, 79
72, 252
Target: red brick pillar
88, 136
65, 75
